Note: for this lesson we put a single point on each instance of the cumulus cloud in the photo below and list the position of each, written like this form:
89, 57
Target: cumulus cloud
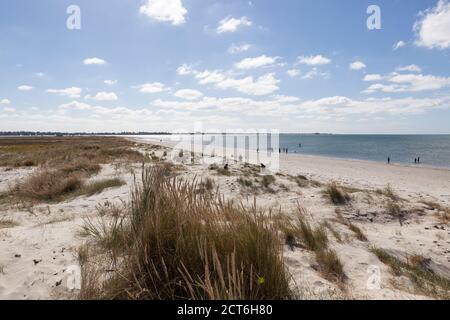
410, 68
208, 77
315, 73
171, 11
260, 86
263, 85
72, 92
257, 62
317, 60
433, 28
237, 48
94, 61
230, 24
357, 65
5, 101
333, 107
409, 83
103, 96
9, 109
110, 82
293, 73
188, 94
398, 45
373, 77
184, 70
154, 87
24, 88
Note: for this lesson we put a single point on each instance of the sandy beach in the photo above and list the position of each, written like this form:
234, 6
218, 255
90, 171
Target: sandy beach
43, 242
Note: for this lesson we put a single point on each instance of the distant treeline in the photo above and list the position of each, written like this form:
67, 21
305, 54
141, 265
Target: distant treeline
60, 134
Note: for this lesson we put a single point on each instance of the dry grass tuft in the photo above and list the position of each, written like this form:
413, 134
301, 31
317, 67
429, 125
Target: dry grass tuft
415, 268
333, 231
181, 244
47, 186
99, 186
58, 185
337, 195
316, 240
7, 223
206, 186
60, 151
359, 234
442, 213
267, 181
389, 192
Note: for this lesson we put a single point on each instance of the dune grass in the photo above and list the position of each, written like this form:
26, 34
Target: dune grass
336, 194
425, 280
315, 240
7, 223
58, 185
389, 192
181, 244
359, 234
60, 151
442, 212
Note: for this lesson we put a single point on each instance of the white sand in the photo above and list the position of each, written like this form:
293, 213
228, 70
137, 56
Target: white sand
48, 233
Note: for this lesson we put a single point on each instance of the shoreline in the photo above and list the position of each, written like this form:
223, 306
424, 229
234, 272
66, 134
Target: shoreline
170, 144
407, 180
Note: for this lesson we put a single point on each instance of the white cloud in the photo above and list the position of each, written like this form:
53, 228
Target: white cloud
293, 73
207, 76
357, 65
5, 102
410, 68
110, 82
24, 88
230, 24
76, 105
321, 109
154, 87
72, 92
263, 85
373, 77
315, 73
237, 48
409, 83
433, 29
313, 60
39, 74
184, 70
188, 94
103, 96
253, 63
9, 109
94, 61
171, 11
398, 45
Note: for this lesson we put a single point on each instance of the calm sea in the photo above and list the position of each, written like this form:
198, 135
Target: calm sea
433, 150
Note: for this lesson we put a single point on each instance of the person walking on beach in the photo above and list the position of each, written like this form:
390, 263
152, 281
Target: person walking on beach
389, 160
415, 160
418, 160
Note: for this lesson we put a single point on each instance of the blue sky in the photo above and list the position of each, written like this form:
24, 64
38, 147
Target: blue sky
291, 65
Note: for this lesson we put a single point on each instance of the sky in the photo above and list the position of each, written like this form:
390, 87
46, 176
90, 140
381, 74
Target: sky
335, 66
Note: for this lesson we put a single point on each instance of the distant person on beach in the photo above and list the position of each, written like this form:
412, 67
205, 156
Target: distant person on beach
418, 160
389, 160
415, 160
